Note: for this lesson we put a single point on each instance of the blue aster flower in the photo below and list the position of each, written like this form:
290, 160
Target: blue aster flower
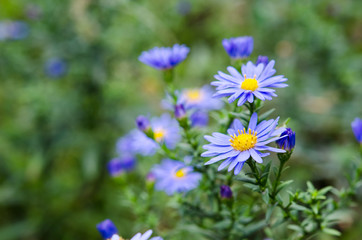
239, 47
262, 59
199, 119
145, 236
242, 144
136, 142
55, 67
166, 130
357, 129
200, 99
255, 81
107, 229
175, 177
287, 142
119, 165
163, 58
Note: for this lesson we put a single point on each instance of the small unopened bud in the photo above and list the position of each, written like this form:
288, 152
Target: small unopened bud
225, 192
143, 123
287, 140
180, 111
262, 59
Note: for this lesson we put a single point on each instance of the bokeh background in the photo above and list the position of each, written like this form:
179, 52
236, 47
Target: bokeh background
71, 85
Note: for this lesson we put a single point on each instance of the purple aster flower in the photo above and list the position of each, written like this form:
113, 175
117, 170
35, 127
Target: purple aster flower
107, 229
121, 164
255, 81
145, 236
163, 58
199, 119
287, 142
241, 143
357, 129
13, 30
142, 123
55, 67
136, 142
262, 59
175, 177
180, 111
239, 47
200, 98
166, 130
225, 192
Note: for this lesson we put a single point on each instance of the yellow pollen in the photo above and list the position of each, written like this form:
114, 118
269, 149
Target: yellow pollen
193, 95
249, 84
159, 135
180, 173
244, 140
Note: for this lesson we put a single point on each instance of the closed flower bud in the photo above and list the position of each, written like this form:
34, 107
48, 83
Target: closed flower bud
225, 192
180, 111
143, 123
287, 140
238, 47
357, 129
262, 59
107, 229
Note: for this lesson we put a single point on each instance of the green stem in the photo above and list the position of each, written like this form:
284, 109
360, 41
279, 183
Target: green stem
276, 183
255, 171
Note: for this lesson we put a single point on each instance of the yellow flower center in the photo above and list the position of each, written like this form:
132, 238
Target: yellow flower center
244, 140
159, 135
193, 95
180, 173
249, 84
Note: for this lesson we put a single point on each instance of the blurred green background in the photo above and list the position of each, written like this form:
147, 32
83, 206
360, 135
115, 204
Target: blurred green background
57, 132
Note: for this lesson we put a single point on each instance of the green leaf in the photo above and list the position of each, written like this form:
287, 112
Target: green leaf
284, 184
266, 114
265, 196
331, 231
223, 224
246, 180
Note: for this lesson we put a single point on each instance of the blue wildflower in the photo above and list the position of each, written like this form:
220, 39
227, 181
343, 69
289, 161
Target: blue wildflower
166, 130
55, 67
163, 58
107, 229
225, 192
143, 123
357, 129
145, 236
175, 177
287, 142
200, 99
136, 142
121, 164
255, 81
262, 59
239, 47
199, 119
241, 143
13, 30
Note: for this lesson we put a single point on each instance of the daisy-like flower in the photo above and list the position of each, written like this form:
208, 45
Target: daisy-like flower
166, 130
357, 129
200, 99
145, 236
239, 47
163, 58
255, 81
242, 143
175, 177
136, 142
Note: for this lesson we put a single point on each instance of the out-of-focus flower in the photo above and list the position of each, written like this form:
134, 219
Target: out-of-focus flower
262, 59
121, 164
142, 123
238, 47
225, 192
175, 177
255, 81
163, 58
180, 111
145, 236
167, 130
357, 129
55, 67
13, 30
200, 99
33, 11
183, 7
199, 119
241, 143
107, 229
287, 142
150, 177
136, 142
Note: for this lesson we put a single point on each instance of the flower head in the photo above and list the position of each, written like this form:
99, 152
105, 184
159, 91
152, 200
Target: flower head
242, 143
357, 129
239, 47
55, 67
107, 229
136, 142
145, 236
142, 123
175, 177
163, 58
200, 99
255, 81
225, 192
288, 140
167, 130
262, 59
121, 164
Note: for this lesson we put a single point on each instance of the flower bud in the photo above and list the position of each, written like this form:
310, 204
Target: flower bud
143, 123
357, 129
262, 59
287, 140
107, 229
225, 192
180, 111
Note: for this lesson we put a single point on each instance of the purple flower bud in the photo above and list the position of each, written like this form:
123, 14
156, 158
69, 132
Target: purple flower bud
357, 129
107, 229
119, 165
180, 111
287, 142
150, 177
226, 192
142, 123
262, 59
239, 47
